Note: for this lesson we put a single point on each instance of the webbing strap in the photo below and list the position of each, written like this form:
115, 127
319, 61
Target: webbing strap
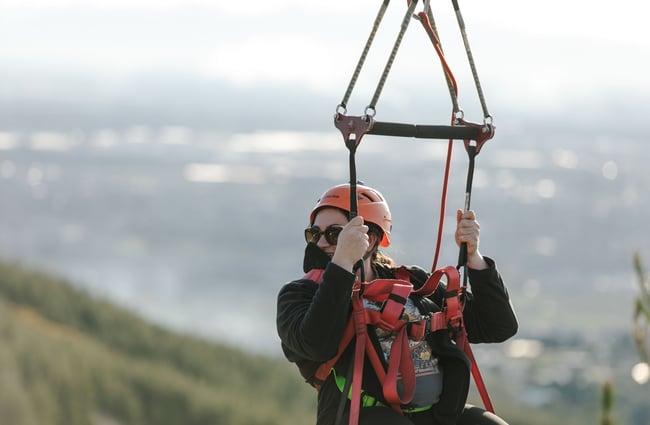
453, 318
426, 21
429, 287
361, 331
392, 293
476, 373
400, 361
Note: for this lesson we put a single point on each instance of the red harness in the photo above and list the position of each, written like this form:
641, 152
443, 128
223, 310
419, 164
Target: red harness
392, 294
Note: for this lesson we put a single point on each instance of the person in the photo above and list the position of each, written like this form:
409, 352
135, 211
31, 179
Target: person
312, 315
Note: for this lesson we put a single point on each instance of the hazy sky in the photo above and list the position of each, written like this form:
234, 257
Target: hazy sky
538, 57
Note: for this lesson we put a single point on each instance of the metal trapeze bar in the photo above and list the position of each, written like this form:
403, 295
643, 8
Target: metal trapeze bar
353, 128
465, 131
424, 131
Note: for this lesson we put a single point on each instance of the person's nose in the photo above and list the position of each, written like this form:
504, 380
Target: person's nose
322, 242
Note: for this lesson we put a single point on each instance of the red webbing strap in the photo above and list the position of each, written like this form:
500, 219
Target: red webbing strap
400, 361
392, 293
361, 331
449, 76
455, 321
476, 373
429, 287
454, 312
452, 315
441, 319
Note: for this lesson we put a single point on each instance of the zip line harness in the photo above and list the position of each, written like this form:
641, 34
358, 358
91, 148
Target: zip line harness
392, 294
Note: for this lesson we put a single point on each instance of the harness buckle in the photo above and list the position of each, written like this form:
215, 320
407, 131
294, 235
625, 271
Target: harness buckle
392, 309
454, 325
418, 329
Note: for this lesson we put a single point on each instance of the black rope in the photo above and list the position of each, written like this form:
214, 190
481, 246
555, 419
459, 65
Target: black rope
364, 54
470, 59
391, 59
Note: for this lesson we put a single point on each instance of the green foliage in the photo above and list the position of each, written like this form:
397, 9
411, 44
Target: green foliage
607, 403
67, 358
642, 311
641, 324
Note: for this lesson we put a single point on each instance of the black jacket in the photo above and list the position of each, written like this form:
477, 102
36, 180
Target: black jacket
311, 318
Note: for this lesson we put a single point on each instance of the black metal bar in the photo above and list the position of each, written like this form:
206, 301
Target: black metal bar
460, 132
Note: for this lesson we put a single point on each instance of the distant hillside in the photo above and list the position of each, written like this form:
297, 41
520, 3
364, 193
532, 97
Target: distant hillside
68, 358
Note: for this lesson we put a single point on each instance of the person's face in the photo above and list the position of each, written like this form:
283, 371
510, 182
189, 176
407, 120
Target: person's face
325, 218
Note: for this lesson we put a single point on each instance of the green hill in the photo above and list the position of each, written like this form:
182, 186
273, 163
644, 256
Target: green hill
68, 358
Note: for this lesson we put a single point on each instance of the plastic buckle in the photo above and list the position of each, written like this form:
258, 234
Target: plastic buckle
418, 329
454, 325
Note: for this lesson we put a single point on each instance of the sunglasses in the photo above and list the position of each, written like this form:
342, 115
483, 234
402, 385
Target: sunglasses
313, 234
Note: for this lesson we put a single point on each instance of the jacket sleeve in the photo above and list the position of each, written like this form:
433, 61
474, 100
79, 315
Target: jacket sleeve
312, 317
488, 313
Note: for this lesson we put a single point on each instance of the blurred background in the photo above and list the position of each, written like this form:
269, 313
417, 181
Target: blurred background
163, 155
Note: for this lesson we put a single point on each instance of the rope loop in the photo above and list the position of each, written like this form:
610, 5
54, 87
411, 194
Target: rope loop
488, 120
459, 116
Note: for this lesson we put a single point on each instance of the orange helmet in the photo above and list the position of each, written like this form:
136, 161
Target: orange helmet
371, 205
